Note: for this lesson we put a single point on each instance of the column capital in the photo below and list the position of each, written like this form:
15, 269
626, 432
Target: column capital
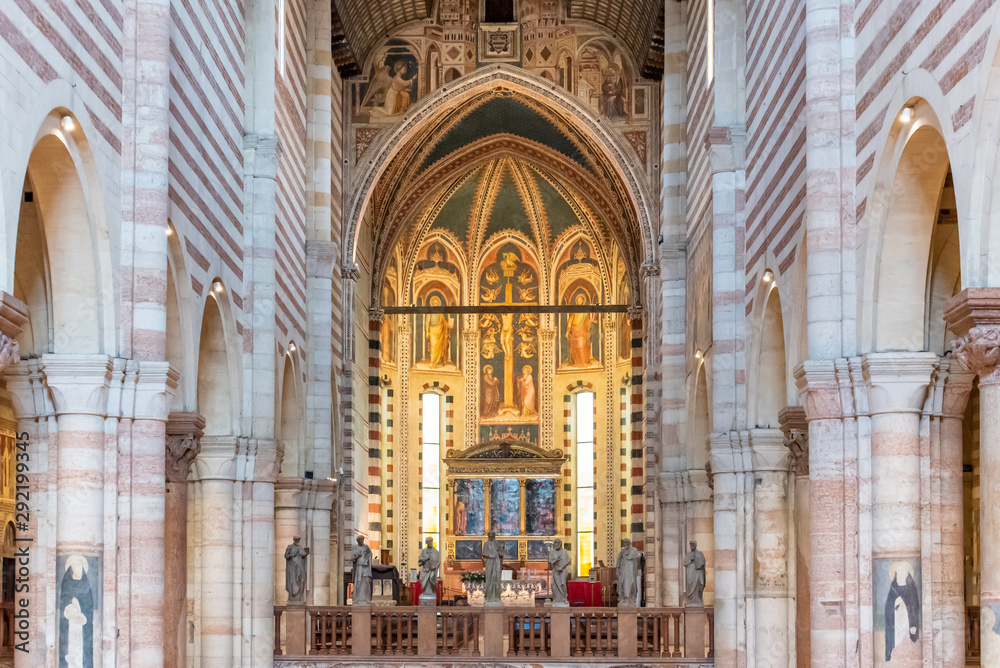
974, 315
216, 459
768, 450
819, 388
184, 432
321, 257
13, 315
350, 272
155, 386
796, 430
26, 386
953, 385
897, 382
730, 452
78, 384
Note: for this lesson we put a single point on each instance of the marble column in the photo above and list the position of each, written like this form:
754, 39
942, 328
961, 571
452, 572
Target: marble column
796, 430
827, 392
184, 431
773, 561
897, 386
213, 477
951, 386
974, 315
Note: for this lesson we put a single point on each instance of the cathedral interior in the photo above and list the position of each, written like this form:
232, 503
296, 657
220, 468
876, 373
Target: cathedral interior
499, 332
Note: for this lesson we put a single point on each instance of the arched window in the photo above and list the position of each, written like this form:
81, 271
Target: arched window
585, 502
430, 481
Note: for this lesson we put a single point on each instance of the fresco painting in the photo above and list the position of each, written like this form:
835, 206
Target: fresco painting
505, 506
540, 507
469, 516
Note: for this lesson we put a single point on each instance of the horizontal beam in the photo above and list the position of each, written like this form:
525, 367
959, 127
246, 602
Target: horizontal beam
504, 308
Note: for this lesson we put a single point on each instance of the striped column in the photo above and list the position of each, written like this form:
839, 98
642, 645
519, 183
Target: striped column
637, 509
897, 385
951, 386
974, 314
79, 386
375, 430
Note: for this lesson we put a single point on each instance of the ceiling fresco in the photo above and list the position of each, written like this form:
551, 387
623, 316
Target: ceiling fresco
363, 24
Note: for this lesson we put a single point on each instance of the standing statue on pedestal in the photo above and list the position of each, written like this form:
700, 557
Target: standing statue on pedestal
694, 576
559, 565
628, 566
295, 572
493, 558
361, 560
429, 562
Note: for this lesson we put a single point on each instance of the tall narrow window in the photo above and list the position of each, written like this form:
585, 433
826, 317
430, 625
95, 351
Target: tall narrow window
585, 481
431, 456
281, 37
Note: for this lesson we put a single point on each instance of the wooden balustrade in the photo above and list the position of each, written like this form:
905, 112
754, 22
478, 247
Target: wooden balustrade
662, 633
394, 631
458, 632
593, 631
529, 632
972, 646
330, 631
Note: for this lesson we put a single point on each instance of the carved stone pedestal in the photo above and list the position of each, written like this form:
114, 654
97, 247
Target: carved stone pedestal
694, 633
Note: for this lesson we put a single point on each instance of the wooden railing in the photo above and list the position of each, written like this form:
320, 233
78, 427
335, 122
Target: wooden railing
458, 632
972, 646
528, 632
561, 633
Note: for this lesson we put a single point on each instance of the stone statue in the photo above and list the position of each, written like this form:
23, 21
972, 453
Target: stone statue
493, 558
361, 560
628, 566
295, 571
559, 565
429, 562
694, 576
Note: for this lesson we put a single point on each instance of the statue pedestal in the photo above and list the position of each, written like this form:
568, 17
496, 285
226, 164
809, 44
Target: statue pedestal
694, 633
296, 623
428, 599
628, 641
493, 628
560, 630
427, 628
361, 630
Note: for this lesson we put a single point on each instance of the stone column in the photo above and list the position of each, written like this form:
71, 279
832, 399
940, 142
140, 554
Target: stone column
974, 315
826, 388
321, 525
897, 385
213, 477
951, 386
773, 562
289, 521
796, 431
183, 433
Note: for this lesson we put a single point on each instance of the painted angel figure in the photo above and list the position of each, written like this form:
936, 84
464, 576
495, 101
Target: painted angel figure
389, 80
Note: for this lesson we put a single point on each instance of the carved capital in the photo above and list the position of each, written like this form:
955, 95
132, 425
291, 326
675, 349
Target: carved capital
649, 270
819, 389
954, 384
154, 390
376, 315
897, 382
979, 352
769, 451
634, 312
216, 458
13, 314
184, 432
796, 436
79, 384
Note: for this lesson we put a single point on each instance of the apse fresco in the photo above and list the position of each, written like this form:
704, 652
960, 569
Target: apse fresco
508, 346
392, 86
540, 507
469, 517
505, 506
578, 276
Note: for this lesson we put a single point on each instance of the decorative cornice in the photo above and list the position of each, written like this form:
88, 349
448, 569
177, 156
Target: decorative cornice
972, 307
819, 389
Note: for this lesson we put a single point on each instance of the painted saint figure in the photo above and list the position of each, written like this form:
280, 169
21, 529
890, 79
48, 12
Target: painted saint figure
361, 560
559, 565
461, 518
295, 571
525, 387
438, 336
429, 562
491, 393
902, 612
578, 329
628, 567
493, 560
390, 80
76, 618
694, 576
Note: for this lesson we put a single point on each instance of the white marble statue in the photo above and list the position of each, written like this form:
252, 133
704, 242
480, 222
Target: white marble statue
628, 566
429, 562
559, 565
361, 560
